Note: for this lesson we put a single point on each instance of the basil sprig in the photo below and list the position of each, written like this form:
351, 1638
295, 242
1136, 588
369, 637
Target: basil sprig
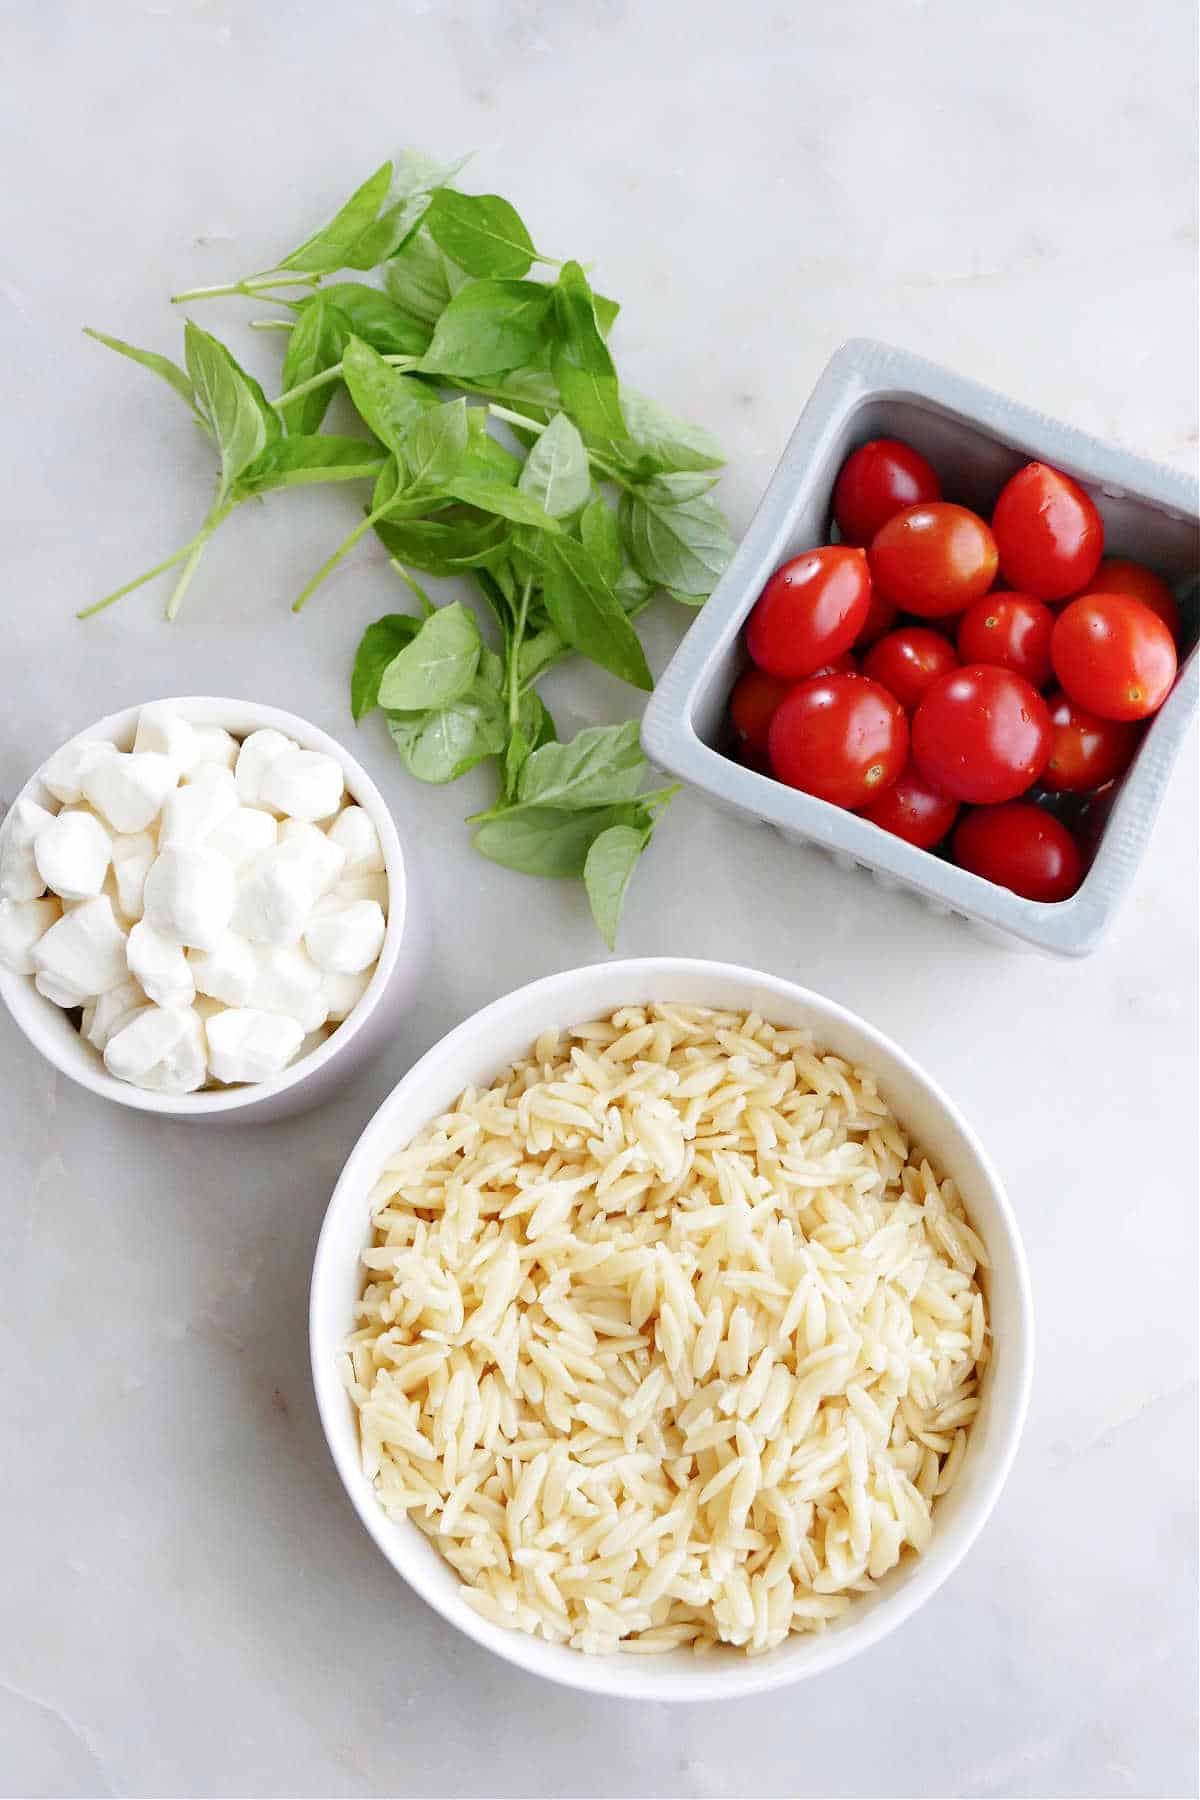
590, 500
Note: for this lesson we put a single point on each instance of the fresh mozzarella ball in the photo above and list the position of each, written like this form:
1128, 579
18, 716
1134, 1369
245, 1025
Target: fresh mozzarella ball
191, 814
346, 939
212, 746
326, 861
354, 830
82, 955
73, 853
342, 993
161, 729
110, 1012
288, 981
132, 855
189, 896
160, 966
128, 789
161, 1047
243, 834
22, 924
228, 971
247, 1045
303, 784
364, 887
255, 757
24, 823
64, 773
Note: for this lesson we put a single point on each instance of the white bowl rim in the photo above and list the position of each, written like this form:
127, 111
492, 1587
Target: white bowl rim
19, 993
623, 1675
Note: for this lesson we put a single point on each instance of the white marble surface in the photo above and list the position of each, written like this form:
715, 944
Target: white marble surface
187, 1605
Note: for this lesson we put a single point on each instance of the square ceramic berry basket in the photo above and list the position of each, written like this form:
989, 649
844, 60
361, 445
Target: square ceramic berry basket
975, 439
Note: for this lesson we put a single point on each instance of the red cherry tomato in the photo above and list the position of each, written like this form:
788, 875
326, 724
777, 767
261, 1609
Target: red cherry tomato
810, 611
846, 664
1048, 533
878, 480
752, 705
1011, 630
913, 809
981, 734
1115, 576
1113, 655
841, 737
1019, 847
933, 559
908, 661
1087, 751
881, 616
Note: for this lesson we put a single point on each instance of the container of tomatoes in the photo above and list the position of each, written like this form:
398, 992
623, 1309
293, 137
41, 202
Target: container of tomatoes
957, 647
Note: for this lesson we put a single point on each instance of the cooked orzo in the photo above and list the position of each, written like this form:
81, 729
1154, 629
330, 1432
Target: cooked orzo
669, 1337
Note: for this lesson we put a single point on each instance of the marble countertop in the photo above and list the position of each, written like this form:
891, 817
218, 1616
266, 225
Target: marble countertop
187, 1604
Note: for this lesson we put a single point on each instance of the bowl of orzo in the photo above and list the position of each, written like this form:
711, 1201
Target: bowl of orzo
671, 1330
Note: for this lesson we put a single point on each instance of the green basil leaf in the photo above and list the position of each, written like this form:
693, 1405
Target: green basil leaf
611, 860
162, 366
602, 766
679, 544
417, 173
305, 461
678, 485
482, 232
387, 234
443, 548
494, 497
539, 652
389, 402
633, 591
436, 446
374, 317
326, 250
531, 389
606, 312
585, 611
583, 367
226, 397
659, 442
380, 644
485, 456
602, 540
315, 344
441, 745
543, 841
489, 326
417, 278
557, 472
437, 666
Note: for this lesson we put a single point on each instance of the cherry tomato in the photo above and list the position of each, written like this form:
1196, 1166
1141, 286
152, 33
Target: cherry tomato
846, 664
981, 734
914, 810
752, 704
1011, 630
841, 737
908, 661
1048, 533
1087, 751
878, 480
881, 616
810, 611
1019, 847
1113, 655
933, 559
1115, 576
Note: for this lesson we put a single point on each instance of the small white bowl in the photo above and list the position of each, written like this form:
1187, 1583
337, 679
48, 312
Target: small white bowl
305, 1082
475, 1053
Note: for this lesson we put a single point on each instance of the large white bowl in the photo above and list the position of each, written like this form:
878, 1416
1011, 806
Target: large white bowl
474, 1054
50, 1030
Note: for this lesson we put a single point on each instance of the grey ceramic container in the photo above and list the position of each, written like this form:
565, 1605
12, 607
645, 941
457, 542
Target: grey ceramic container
975, 439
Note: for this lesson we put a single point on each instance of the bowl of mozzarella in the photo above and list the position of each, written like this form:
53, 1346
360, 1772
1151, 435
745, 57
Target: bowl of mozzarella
202, 904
